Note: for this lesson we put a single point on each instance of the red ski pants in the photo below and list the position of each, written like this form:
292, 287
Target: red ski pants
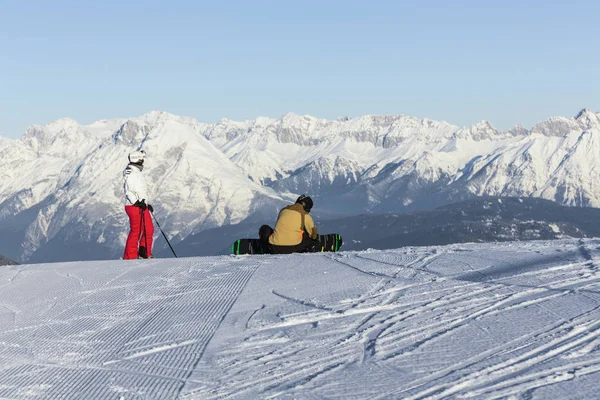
141, 230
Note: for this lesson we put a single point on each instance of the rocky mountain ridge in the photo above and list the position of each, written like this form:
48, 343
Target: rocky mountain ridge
61, 184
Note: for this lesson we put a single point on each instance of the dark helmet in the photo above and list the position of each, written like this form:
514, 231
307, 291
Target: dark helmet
306, 202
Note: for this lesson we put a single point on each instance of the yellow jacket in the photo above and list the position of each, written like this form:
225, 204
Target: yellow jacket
288, 229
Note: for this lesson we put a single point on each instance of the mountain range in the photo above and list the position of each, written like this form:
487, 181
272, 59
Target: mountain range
61, 195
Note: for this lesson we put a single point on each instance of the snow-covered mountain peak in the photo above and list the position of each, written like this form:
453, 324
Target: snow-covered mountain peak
225, 130
388, 131
105, 128
226, 122
484, 124
396, 120
483, 130
63, 126
136, 131
158, 118
561, 126
57, 138
155, 116
292, 118
263, 121
588, 119
556, 126
297, 129
370, 121
517, 130
583, 113
131, 133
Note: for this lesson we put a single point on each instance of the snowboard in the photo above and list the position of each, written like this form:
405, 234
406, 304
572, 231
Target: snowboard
329, 242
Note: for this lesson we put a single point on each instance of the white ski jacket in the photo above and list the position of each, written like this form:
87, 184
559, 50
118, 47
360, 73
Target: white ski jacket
134, 185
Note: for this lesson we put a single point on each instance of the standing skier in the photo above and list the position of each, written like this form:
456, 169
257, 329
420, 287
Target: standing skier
139, 241
295, 230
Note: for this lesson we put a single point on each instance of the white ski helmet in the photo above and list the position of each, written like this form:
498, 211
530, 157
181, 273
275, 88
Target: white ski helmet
137, 156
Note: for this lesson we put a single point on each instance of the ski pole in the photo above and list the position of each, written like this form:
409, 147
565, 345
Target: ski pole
163, 233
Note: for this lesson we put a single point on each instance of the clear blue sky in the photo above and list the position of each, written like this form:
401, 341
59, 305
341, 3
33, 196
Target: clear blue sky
505, 61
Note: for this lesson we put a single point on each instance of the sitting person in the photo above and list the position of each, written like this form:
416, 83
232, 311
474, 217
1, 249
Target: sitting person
295, 230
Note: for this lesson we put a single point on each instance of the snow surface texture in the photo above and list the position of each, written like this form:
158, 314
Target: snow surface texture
512, 320
61, 184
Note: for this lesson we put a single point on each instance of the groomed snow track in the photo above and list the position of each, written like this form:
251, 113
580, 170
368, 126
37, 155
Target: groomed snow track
511, 320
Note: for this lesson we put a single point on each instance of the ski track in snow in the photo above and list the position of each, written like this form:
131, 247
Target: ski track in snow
138, 326
510, 320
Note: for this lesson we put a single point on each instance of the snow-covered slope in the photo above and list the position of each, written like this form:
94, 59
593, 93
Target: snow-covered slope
512, 320
60, 184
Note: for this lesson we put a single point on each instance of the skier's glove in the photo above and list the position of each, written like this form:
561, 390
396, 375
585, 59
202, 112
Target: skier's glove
150, 208
141, 204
